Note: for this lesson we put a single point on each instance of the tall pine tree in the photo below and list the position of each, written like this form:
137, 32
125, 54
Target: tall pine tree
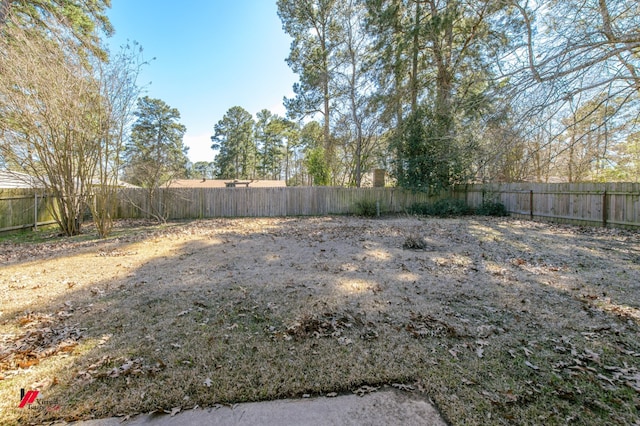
235, 142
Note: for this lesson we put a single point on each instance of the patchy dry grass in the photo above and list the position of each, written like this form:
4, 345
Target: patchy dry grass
497, 320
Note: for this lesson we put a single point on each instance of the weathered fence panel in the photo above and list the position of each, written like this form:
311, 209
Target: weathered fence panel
259, 202
584, 203
24, 208
611, 204
579, 203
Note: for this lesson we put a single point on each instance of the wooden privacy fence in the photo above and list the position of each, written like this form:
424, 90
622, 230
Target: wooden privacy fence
616, 204
24, 208
196, 203
612, 204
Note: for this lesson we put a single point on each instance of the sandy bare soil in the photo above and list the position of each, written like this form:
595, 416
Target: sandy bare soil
484, 315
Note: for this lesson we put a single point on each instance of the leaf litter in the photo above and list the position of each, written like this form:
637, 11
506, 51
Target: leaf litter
492, 318
40, 336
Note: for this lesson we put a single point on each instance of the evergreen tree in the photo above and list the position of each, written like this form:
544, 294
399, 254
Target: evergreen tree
203, 169
314, 158
82, 19
155, 154
435, 69
314, 26
270, 134
235, 142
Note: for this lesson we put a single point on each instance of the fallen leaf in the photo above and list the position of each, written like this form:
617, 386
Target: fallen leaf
43, 385
363, 390
606, 379
344, 341
509, 395
528, 364
403, 387
592, 356
97, 292
527, 351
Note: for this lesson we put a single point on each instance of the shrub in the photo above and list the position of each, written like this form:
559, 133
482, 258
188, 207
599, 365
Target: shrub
492, 208
366, 208
420, 209
446, 207
414, 242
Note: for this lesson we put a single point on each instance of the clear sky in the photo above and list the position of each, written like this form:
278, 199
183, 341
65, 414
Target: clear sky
210, 55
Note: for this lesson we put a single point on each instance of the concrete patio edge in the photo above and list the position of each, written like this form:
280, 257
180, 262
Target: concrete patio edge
384, 407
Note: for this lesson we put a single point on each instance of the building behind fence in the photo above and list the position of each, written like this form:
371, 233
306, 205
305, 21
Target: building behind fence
611, 204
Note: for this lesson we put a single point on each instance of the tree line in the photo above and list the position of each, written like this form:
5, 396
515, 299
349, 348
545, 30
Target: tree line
441, 92
437, 92
268, 147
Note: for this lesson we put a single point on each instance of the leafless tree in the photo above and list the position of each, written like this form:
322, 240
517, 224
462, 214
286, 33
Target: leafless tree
50, 103
119, 91
577, 55
64, 115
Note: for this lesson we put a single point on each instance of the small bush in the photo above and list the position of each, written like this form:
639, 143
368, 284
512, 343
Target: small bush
447, 207
420, 209
366, 208
492, 208
414, 242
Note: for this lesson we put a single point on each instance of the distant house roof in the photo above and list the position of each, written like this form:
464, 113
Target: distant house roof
226, 183
119, 184
9, 179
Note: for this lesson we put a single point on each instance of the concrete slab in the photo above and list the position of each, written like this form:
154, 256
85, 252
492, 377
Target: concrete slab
386, 407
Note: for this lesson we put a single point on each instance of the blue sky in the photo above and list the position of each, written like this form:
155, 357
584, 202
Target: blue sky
210, 55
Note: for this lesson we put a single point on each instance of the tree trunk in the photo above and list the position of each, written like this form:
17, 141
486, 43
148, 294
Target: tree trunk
414, 59
328, 143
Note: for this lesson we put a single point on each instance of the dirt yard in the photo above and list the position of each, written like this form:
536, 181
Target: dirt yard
496, 320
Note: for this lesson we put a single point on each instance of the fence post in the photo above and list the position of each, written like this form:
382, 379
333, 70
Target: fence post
201, 193
35, 212
531, 204
604, 209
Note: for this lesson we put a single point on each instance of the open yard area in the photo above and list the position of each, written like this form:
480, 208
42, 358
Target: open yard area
498, 321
